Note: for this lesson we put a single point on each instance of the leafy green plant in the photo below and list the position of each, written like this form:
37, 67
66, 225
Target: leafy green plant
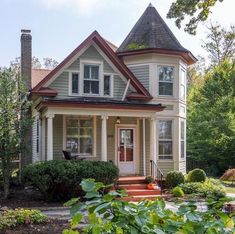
12, 218
60, 180
108, 214
177, 192
149, 179
174, 178
197, 175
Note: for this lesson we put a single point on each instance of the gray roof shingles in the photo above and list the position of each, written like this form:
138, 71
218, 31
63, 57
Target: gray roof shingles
151, 31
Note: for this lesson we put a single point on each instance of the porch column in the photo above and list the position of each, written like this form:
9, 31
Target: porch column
144, 148
104, 138
49, 137
43, 140
153, 139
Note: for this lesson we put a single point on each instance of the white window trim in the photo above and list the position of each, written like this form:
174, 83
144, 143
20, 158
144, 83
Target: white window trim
173, 82
183, 158
111, 84
101, 80
94, 134
183, 79
172, 139
70, 83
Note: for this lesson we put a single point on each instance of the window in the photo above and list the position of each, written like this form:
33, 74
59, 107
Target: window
166, 75
79, 135
165, 139
182, 140
75, 83
91, 79
107, 85
182, 85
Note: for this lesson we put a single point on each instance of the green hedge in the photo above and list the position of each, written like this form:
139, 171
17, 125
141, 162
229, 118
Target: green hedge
196, 175
60, 180
174, 178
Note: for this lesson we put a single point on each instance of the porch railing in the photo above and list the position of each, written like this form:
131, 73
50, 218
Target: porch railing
156, 173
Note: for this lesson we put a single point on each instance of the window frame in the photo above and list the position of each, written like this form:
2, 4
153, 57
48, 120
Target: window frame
71, 82
100, 79
93, 155
161, 156
170, 82
111, 84
182, 140
183, 77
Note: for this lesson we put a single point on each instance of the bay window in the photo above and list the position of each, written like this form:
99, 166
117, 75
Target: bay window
182, 140
79, 135
183, 84
165, 78
165, 140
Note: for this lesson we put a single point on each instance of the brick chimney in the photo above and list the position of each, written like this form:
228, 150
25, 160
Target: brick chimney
26, 56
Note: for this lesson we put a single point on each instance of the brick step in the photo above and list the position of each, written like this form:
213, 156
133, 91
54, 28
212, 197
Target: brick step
138, 198
142, 192
131, 180
132, 186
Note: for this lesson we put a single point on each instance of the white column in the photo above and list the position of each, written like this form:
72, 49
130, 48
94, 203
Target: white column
144, 148
43, 140
153, 139
104, 138
50, 137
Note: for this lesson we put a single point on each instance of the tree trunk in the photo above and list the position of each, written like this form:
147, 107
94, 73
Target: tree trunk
6, 172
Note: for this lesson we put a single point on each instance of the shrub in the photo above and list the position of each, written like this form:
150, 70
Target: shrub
12, 218
196, 175
149, 179
210, 188
174, 178
106, 214
59, 180
177, 192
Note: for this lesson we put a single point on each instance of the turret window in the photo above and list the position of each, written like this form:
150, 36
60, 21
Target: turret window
166, 78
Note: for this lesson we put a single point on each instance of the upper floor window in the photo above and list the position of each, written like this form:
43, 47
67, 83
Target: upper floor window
91, 79
166, 77
165, 139
75, 83
107, 85
183, 84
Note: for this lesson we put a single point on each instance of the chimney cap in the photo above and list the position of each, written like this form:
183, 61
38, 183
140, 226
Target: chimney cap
25, 31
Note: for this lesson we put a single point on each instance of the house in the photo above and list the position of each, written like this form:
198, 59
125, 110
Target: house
125, 104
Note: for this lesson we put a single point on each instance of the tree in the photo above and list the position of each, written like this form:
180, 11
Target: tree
211, 120
220, 44
13, 124
50, 63
196, 10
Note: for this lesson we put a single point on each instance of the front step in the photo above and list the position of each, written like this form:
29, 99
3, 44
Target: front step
136, 189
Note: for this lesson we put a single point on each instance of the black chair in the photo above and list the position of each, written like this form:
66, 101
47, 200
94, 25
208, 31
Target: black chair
68, 156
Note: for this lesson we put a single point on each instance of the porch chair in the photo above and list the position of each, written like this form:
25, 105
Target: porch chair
68, 156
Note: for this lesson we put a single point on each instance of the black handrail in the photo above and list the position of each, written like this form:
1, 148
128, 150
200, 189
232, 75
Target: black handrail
156, 173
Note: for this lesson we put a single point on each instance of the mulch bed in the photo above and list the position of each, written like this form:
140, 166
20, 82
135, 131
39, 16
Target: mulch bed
53, 226
26, 198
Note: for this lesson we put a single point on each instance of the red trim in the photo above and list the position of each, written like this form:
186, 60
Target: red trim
100, 106
45, 92
110, 54
188, 56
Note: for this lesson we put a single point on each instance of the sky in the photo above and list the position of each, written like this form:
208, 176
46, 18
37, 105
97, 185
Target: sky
59, 26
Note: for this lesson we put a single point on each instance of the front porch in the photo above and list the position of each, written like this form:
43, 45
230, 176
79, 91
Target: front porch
125, 137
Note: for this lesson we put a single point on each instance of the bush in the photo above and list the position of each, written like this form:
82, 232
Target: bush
12, 218
196, 175
149, 179
174, 178
106, 214
59, 180
177, 192
210, 188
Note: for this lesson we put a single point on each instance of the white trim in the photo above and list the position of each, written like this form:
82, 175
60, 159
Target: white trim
104, 156
50, 137
138, 65
144, 147
43, 140
125, 91
111, 84
135, 151
70, 84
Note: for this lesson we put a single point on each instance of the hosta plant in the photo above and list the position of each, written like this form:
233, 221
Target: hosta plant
108, 214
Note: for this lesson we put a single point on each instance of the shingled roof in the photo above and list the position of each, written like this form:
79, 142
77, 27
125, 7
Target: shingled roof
151, 31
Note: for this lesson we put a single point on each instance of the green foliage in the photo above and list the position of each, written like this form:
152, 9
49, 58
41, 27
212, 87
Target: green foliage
196, 175
174, 178
177, 192
13, 125
136, 46
196, 10
60, 180
12, 218
107, 214
210, 188
149, 179
211, 121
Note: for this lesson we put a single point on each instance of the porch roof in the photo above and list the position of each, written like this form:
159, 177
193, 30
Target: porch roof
100, 103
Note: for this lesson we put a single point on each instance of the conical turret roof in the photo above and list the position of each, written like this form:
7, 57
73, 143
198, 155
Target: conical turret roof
151, 31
